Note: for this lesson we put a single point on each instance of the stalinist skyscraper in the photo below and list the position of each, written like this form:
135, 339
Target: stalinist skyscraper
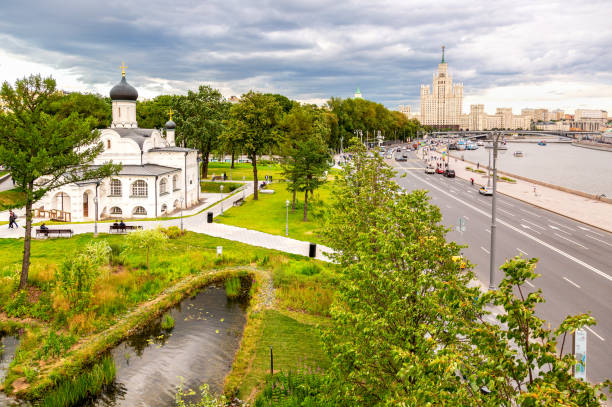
442, 107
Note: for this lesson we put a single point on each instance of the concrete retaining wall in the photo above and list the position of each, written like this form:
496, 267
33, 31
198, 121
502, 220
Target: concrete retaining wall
594, 146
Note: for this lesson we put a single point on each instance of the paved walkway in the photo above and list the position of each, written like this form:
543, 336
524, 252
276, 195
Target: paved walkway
585, 210
197, 223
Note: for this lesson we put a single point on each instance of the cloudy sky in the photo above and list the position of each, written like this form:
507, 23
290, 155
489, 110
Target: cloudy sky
518, 53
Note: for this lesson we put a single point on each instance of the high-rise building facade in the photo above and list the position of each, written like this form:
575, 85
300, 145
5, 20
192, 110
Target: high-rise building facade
441, 105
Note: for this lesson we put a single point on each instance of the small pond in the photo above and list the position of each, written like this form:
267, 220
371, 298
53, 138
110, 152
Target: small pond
8, 346
200, 349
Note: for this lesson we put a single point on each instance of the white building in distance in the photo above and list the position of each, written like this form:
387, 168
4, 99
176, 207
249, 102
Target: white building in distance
157, 177
442, 105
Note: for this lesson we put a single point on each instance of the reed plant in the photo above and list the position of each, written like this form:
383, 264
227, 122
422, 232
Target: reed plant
232, 288
167, 322
87, 385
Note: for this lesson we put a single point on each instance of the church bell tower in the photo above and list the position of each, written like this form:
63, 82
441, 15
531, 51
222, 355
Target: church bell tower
124, 96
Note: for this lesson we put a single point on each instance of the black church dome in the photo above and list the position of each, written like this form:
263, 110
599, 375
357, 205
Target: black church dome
123, 91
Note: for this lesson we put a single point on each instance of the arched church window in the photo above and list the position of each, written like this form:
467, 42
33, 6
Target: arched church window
164, 208
139, 210
163, 186
139, 188
115, 187
174, 182
108, 144
115, 210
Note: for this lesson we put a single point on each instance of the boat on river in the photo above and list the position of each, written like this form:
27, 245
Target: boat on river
518, 153
541, 143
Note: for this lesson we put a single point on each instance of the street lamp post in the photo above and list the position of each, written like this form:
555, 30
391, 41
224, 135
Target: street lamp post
96, 208
287, 222
182, 201
493, 213
221, 188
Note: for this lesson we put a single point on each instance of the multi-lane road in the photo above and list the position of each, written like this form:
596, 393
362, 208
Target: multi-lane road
575, 260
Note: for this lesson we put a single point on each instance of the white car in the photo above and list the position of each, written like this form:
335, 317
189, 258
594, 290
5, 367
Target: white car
430, 170
485, 191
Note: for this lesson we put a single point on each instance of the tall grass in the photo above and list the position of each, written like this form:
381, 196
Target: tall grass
289, 389
232, 288
89, 384
167, 322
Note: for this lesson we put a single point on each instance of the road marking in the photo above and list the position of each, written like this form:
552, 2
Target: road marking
529, 212
599, 240
448, 206
562, 231
592, 231
571, 282
466, 217
570, 240
531, 285
487, 230
535, 239
509, 213
530, 228
485, 250
531, 223
524, 252
563, 226
452, 190
505, 203
595, 333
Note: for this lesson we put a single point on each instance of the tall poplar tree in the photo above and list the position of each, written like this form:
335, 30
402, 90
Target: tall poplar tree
42, 151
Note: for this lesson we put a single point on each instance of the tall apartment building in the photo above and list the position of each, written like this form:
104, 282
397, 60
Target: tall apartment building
503, 118
442, 104
407, 111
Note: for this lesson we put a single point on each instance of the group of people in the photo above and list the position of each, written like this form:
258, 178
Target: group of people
12, 220
121, 224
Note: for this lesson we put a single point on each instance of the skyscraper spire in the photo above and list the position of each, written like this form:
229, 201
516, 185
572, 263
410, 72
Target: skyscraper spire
443, 53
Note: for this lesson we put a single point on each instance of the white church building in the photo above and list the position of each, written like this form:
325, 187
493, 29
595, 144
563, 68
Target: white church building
157, 177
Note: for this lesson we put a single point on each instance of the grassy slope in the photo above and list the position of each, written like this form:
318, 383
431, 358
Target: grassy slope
304, 291
268, 214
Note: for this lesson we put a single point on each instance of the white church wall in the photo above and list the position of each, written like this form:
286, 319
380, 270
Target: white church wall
123, 150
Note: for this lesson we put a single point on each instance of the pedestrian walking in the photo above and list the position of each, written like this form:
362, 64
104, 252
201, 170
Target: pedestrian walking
477, 165
12, 220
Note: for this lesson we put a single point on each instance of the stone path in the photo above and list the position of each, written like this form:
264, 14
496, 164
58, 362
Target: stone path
197, 223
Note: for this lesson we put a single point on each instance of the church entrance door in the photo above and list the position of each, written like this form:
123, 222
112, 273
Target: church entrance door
85, 205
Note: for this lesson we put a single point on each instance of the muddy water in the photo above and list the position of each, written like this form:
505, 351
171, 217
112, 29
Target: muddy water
8, 346
200, 349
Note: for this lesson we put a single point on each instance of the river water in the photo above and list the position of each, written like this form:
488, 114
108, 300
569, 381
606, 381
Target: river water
8, 346
200, 349
559, 164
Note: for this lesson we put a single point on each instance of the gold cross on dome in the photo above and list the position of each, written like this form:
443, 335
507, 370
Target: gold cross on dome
170, 113
122, 67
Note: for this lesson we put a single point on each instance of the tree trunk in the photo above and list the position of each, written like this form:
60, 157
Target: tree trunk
293, 206
306, 206
255, 189
27, 242
205, 165
233, 157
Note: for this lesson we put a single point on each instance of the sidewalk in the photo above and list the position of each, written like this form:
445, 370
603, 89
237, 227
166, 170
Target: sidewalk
588, 211
197, 223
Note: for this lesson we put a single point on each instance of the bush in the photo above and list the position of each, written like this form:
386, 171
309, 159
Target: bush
173, 232
167, 322
232, 288
287, 389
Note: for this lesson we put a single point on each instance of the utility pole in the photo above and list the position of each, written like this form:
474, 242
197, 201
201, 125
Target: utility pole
493, 214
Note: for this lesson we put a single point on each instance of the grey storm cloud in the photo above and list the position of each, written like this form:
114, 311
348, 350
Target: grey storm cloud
313, 49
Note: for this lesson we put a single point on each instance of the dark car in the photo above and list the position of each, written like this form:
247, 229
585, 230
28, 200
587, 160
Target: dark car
449, 173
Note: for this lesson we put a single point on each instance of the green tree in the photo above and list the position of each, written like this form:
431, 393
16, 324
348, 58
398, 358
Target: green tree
42, 151
253, 121
403, 304
518, 359
145, 240
304, 151
199, 119
153, 113
85, 106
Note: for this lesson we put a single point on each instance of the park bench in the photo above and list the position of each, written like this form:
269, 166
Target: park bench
123, 229
54, 232
266, 191
217, 178
238, 201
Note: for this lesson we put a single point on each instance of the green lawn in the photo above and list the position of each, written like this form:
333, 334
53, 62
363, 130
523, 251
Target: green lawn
244, 171
8, 199
296, 342
268, 214
209, 186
